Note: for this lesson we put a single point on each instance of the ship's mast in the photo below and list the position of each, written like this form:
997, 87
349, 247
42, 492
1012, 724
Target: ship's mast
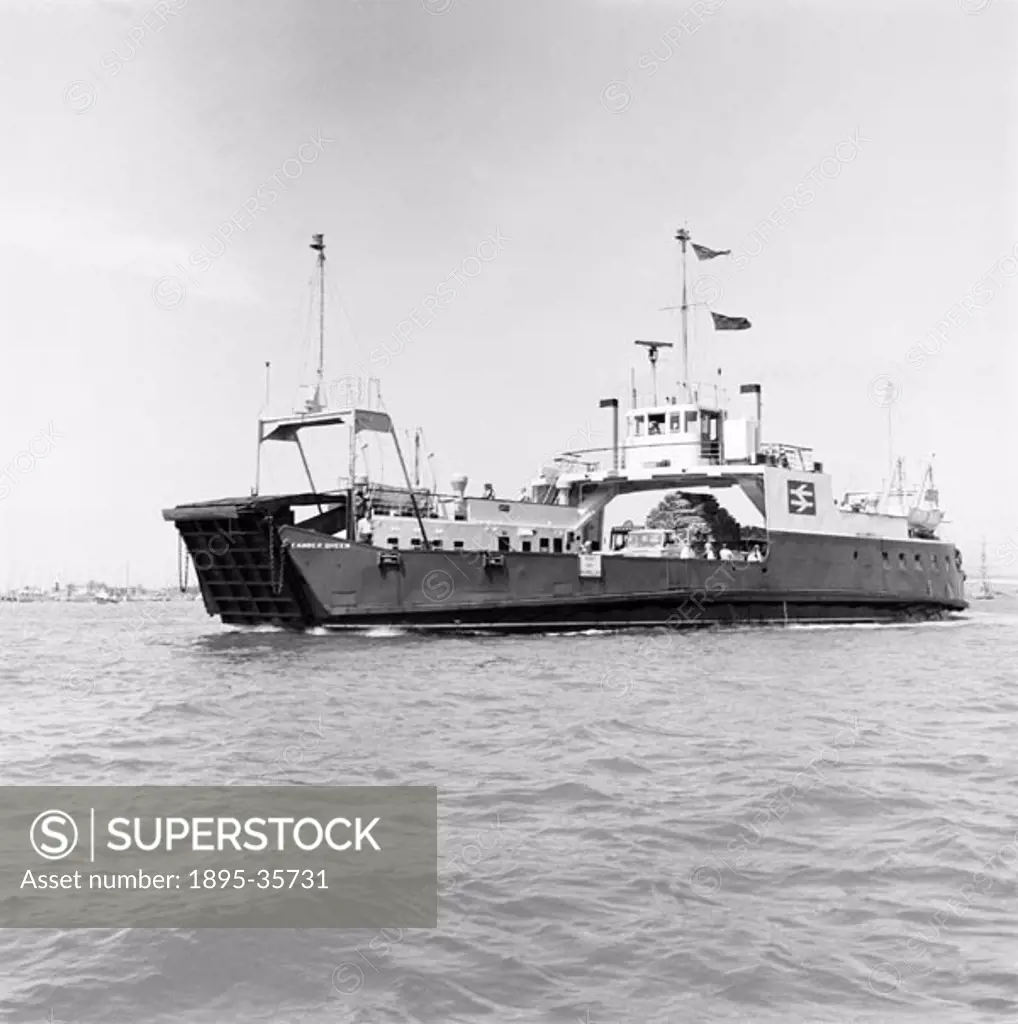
682, 236
315, 403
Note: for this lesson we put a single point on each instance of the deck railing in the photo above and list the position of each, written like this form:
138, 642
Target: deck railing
789, 456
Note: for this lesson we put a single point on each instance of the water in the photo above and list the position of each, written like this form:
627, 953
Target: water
747, 825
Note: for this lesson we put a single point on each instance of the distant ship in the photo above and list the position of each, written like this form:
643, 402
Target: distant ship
689, 518
985, 591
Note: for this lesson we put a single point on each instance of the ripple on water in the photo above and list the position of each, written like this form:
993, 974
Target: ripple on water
813, 824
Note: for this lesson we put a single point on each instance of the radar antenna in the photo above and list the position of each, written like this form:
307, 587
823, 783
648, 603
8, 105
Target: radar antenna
652, 347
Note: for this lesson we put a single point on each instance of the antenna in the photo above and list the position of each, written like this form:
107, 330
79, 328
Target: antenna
890, 448
315, 404
683, 236
652, 347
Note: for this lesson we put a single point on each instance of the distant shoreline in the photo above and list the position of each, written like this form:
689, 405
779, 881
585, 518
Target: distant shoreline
135, 597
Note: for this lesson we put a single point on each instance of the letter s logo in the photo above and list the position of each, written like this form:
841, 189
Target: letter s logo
54, 825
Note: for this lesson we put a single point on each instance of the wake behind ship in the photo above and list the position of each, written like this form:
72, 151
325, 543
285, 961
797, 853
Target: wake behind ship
732, 529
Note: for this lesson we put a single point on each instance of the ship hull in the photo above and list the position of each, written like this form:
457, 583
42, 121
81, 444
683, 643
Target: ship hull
252, 573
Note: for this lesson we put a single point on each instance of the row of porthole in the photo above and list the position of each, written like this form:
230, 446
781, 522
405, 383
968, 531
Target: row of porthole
902, 560
556, 544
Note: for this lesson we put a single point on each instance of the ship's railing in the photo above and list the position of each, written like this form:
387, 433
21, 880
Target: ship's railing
672, 542
788, 456
579, 460
384, 498
703, 394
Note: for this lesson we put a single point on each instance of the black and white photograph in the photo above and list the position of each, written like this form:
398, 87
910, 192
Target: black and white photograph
508, 512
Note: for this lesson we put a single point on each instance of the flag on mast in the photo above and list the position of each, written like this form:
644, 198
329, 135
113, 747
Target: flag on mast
729, 323
703, 253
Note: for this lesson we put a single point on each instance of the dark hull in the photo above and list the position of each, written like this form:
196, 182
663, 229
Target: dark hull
255, 569
636, 615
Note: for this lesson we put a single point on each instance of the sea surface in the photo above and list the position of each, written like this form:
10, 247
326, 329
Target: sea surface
756, 825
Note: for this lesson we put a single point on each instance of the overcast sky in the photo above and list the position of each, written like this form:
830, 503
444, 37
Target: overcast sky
579, 135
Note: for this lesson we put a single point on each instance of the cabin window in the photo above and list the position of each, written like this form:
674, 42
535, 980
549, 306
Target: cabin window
901, 559
936, 566
394, 541
543, 544
415, 542
457, 544
525, 545
886, 557
690, 418
855, 555
656, 423
557, 545
675, 423
503, 543
436, 544
919, 563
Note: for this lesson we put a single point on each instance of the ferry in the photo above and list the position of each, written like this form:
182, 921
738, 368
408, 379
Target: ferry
690, 518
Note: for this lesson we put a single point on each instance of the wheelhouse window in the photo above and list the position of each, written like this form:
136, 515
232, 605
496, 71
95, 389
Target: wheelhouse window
656, 423
675, 423
525, 545
691, 418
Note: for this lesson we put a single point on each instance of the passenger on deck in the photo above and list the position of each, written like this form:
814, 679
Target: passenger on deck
489, 492
726, 553
755, 555
653, 428
708, 550
686, 551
